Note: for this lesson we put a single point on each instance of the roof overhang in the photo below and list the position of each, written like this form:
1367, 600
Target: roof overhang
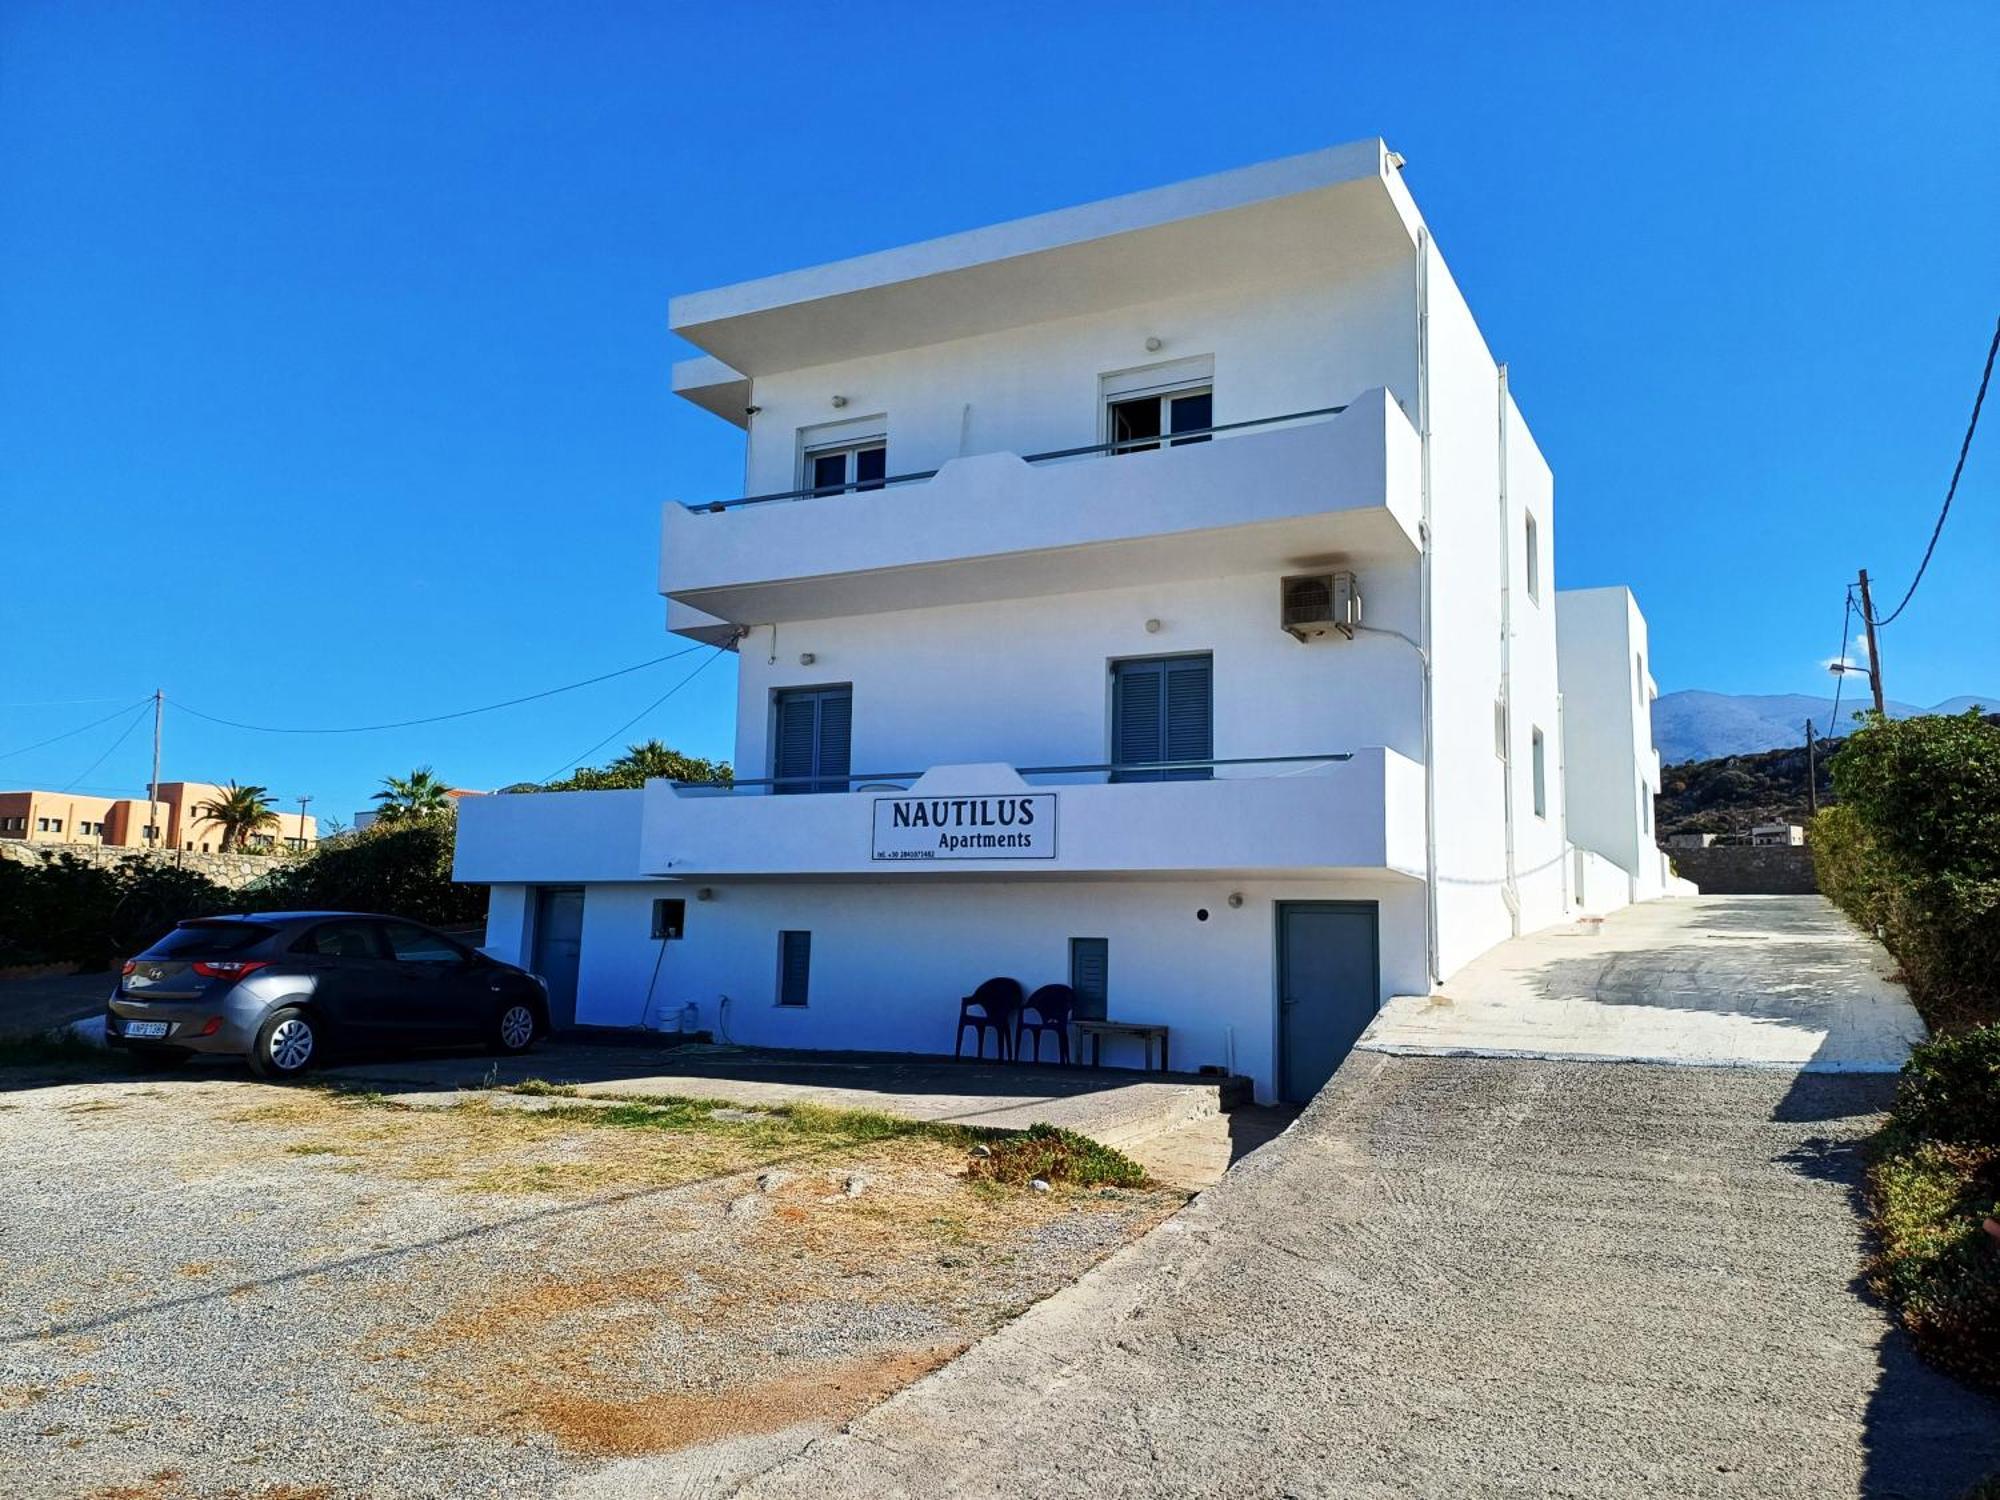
1342, 204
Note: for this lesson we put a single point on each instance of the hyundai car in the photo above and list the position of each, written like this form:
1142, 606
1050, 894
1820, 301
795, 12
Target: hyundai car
286, 988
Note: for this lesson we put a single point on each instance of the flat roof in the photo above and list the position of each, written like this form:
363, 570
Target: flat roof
1339, 202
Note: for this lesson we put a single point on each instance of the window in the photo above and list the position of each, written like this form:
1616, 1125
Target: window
834, 470
1162, 710
1534, 558
1639, 674
1541, 777
411, 944
1645, 809
1500, 727
1089, 976
340, 940
794, 967
1136, 423
55, 825
210, 938
811, 738
41, 825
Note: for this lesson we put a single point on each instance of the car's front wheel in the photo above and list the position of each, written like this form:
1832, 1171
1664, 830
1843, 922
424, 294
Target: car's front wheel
287, 1043
514, 1027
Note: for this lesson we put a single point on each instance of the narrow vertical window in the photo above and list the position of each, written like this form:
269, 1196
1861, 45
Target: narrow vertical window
1639, 674
1541, 777
1534, 540
1645, 809
794, 967
1090, 976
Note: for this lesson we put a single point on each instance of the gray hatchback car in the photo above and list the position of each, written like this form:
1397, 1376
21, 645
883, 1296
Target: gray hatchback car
284, 988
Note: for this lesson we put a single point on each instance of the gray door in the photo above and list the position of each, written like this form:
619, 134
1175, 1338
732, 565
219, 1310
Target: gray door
1327, 989
558, 945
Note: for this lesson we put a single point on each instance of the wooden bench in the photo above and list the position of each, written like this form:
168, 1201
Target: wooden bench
1144, 1032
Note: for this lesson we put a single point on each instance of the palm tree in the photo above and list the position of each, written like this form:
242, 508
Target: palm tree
240, 811
416, 795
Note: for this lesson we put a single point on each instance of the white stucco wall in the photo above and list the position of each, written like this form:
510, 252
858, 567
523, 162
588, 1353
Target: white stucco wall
1608, 727
890, 962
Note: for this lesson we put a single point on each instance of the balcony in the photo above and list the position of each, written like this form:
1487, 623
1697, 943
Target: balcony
1306, 489
1276, 817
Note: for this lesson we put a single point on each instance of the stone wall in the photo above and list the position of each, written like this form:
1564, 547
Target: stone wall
1748, 870
231, 870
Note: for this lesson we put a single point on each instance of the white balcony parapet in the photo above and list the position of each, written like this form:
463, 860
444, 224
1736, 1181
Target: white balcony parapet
995, 526
1303, 817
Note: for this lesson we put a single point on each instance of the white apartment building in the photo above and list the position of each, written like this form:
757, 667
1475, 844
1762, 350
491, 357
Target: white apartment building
1154, 596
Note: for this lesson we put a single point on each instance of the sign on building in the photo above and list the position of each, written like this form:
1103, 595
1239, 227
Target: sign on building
1020, 825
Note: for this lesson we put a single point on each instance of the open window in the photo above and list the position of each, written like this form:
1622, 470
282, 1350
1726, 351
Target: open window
1172, 403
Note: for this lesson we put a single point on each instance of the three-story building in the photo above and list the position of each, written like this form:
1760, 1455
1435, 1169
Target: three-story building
1154, 596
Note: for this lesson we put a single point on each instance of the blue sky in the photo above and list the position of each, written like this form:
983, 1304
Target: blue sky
333, 358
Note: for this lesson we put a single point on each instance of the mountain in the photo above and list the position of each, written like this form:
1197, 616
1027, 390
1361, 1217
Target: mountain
1694, 725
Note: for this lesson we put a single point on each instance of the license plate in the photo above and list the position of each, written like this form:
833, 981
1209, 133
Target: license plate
145, 1028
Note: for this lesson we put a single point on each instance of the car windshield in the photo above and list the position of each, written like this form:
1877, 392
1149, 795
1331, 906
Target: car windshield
192, 938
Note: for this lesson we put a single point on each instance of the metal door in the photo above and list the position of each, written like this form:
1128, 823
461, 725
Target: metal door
1327, 989
558, 946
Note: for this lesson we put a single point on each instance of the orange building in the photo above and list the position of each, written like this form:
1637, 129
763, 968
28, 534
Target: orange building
170, 822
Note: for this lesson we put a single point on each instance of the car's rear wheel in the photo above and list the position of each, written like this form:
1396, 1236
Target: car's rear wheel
514, 1028
287, 1044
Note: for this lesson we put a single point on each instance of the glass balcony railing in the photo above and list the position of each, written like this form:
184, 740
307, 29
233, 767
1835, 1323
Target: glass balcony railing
1057, 455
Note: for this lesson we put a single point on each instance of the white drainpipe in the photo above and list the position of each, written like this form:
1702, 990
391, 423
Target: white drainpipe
1424, 595
1510, 891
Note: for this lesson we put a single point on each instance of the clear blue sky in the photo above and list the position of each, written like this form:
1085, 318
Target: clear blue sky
333, 358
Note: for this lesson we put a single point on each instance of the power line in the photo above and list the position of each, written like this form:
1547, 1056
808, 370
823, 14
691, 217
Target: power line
580, 759
463, 713
1971, 427
123, 735
81, 729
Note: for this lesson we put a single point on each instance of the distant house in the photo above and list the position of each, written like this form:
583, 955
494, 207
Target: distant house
1777, 834
1690, 840
169, 821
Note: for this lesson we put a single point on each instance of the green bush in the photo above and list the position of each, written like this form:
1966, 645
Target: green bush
403, 868
1056, 1155
1929, 1198
1912, 852
68, 910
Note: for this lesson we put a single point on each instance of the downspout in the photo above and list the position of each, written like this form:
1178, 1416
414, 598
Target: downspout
1424, 598
1510, 890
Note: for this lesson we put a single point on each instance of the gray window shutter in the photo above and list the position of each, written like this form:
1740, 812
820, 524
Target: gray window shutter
792, 765
836, 722
1162, 710
814, 730
794, 967
1089, 976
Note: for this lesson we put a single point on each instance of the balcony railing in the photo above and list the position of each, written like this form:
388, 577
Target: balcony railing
1055, 455
1134, 771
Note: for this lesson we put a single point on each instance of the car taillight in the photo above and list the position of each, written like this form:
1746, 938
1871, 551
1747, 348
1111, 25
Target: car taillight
228, 968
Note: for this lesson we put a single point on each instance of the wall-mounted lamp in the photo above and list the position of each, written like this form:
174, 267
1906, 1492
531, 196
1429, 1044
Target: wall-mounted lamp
751, 411
806, 658
1152, 627
1235, 900
839, 401
706, 893
1152, 346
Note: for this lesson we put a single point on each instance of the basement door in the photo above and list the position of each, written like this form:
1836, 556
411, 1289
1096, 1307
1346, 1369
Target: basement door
1327, 989
559, 948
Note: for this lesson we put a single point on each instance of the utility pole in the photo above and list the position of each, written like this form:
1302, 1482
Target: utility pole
1812, 772
1874, 651
153, 830
304, 798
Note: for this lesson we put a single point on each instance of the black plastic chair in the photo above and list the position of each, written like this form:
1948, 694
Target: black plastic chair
1051, 1006
994, 1005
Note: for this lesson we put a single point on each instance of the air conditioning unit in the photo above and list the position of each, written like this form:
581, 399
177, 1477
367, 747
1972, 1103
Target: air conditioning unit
1317, 604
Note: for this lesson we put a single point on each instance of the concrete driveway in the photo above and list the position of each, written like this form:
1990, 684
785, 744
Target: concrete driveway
1507, 1276
1738, 981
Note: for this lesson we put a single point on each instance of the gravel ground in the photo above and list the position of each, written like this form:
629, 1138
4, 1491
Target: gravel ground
220, 1288
1466, 1278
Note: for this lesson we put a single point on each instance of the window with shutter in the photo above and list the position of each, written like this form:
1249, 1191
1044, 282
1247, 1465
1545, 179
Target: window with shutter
1162, 711
812, 731
794, 967
1090, 976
